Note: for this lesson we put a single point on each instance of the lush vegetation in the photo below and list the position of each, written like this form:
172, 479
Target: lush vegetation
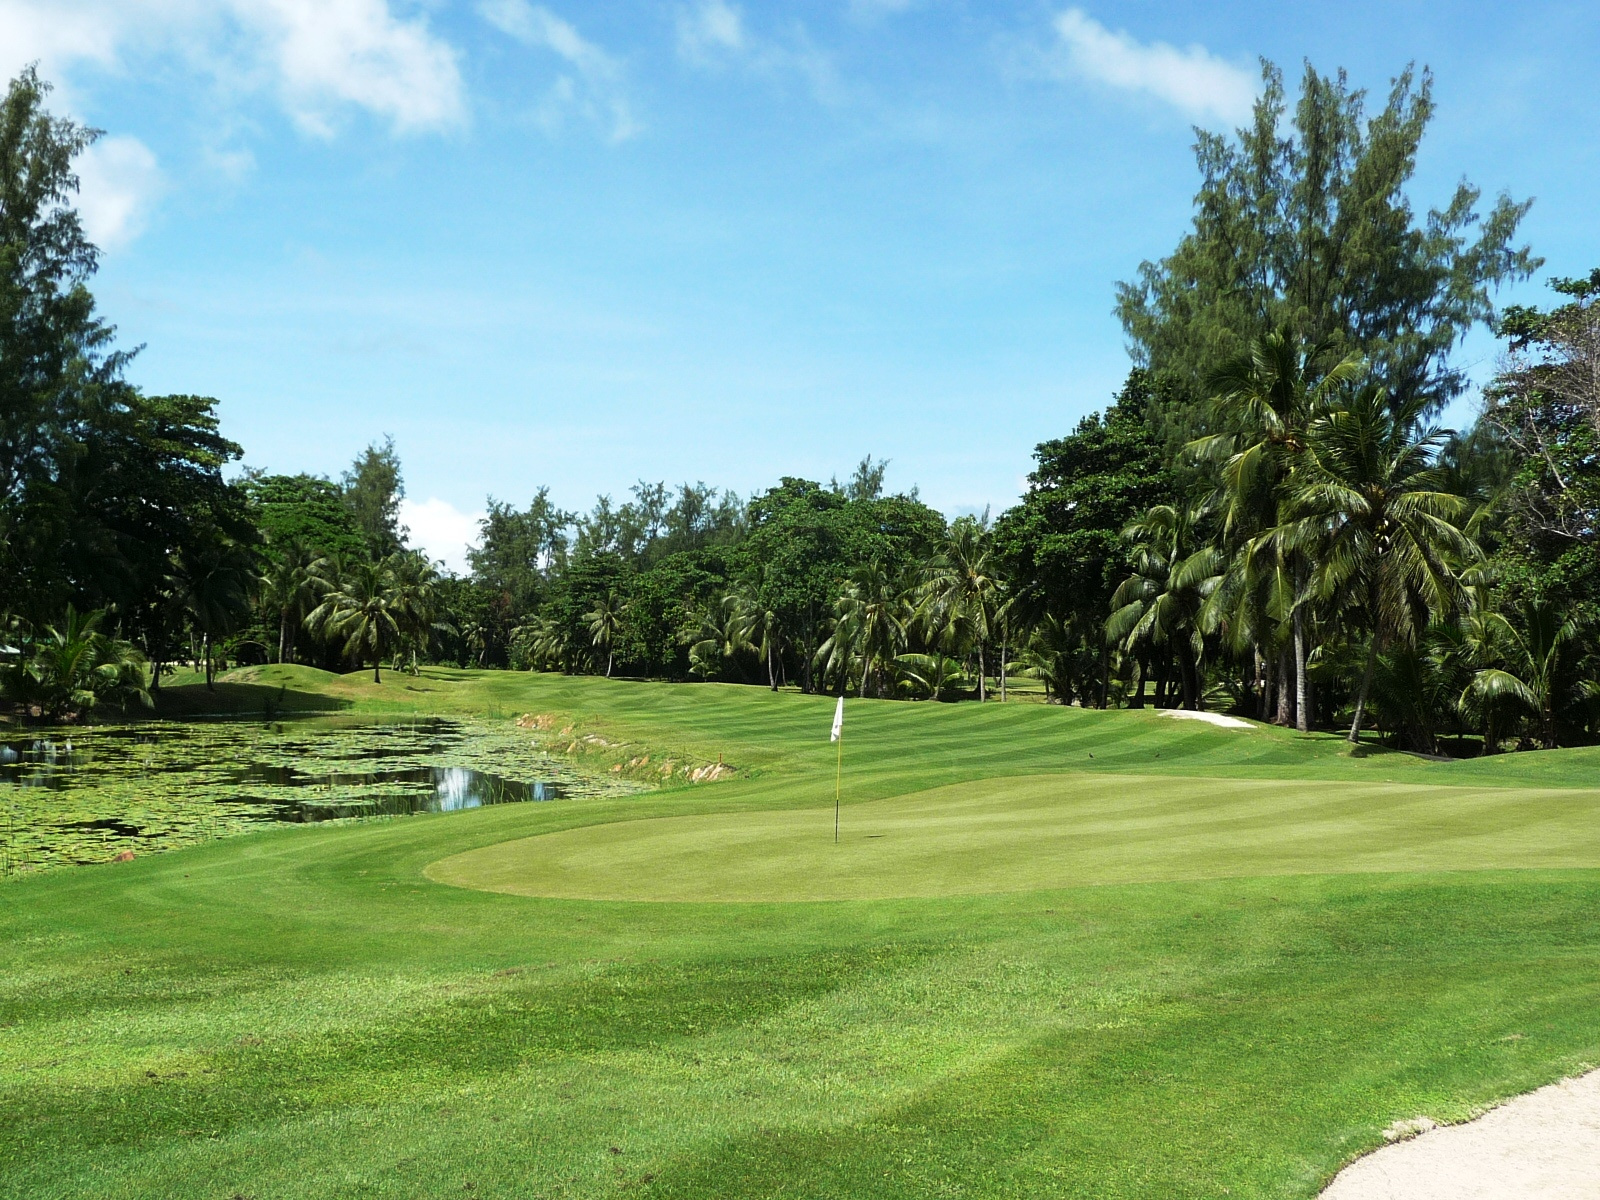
1266, 520
301, 1012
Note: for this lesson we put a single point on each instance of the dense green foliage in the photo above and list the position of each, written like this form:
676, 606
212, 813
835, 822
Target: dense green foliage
1264, 520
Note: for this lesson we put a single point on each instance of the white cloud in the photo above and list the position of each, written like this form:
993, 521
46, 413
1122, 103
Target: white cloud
598, 89
441, 531
119, 184
711, 28
1193, 80
333, 53
319, 57
31, 30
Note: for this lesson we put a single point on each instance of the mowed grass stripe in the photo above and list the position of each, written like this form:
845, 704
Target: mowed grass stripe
1017, 834
303, 1015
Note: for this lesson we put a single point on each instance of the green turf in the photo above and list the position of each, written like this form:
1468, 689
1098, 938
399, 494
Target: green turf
303, 1013
1052, 831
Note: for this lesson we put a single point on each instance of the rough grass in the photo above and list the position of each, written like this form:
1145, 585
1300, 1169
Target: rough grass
302, 1013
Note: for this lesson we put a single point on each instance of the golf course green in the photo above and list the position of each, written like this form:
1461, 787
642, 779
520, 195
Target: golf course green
1055, 953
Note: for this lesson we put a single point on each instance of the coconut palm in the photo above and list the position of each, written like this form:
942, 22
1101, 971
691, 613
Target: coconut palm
1365, 505
870, 627
363, 612
414, 600
962, 593
72, 666
767, 628
1265, 400
925, 675
724, 633
605, 622
291, 586
1530, 679
1159, 605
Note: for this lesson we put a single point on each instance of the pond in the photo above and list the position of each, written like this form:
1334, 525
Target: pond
87, 795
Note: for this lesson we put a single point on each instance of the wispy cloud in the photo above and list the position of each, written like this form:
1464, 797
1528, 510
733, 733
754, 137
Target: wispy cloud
713, 34
1193, 80
596, 85
711, 29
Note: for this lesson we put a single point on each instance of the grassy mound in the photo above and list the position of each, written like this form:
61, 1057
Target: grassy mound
304, 1013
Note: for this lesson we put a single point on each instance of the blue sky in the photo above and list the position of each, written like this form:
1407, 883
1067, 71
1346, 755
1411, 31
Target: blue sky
579, 244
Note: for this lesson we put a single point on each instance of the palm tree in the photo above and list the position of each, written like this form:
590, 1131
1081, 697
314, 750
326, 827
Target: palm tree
724, 632
1055, 655
962, 593
767, 627
214, 585
605, 621
1530, 679
925, 674
1366, 505
1266, 399
414, 600
73, 666
870, 625
548, 643
291, 587
362, 610
1159, 604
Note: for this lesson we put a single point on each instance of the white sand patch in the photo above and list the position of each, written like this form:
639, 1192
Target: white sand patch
1542, 1146
1210, 718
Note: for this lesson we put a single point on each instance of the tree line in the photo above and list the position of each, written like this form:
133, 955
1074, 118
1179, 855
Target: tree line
1266, 519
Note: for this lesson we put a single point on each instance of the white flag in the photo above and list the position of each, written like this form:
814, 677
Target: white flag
838, 722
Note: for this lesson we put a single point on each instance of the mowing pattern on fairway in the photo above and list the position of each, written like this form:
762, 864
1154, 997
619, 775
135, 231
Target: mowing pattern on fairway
299, 1014
1017, 834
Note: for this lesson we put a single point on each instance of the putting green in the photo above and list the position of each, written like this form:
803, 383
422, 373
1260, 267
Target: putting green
1054, 831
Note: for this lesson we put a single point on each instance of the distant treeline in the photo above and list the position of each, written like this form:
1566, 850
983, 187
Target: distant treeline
1265, 519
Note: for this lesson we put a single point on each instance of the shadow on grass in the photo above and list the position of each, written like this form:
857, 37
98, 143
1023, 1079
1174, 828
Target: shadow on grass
257, 701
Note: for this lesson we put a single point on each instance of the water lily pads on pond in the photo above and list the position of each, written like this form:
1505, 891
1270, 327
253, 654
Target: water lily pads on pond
90, 794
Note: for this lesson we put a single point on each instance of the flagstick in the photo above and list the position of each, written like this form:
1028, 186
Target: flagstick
838, 776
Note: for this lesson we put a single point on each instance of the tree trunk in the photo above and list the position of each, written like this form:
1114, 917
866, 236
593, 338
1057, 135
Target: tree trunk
1366, 689
772, 674
983, 693
610, 658
866, 667
1191, 684
1002, 670
1105, 677
1285, 673
1138, 693
1302, 697
206, 645
1264, 681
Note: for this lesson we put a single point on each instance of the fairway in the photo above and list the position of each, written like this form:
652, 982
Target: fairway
1057, 831
1286, 947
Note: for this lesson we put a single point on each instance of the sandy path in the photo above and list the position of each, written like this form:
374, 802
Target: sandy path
1210, 718
1542, 1146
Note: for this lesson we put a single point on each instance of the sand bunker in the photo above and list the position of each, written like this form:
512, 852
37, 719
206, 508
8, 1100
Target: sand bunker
1210, 718
1542, 1146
